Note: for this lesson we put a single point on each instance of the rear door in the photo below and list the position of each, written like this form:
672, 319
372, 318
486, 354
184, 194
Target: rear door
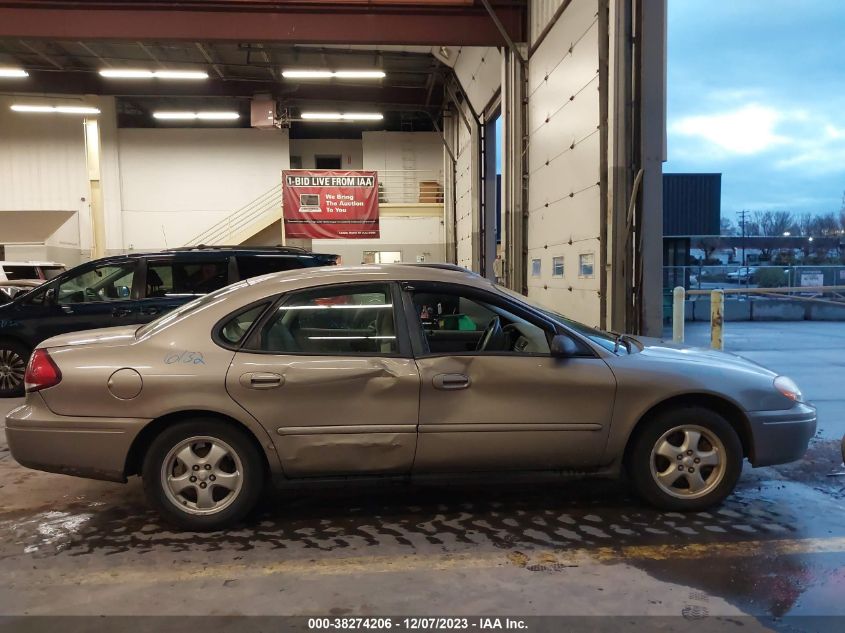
329, 373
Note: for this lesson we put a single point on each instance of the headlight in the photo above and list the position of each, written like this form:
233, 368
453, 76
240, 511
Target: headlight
788, 388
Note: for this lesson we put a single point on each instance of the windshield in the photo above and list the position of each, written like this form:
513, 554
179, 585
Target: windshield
183, 311
599, 337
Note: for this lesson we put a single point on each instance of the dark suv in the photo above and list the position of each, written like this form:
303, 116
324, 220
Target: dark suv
128, 289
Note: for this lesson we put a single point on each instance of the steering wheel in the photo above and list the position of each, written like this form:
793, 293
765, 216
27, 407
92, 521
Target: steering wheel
492, 332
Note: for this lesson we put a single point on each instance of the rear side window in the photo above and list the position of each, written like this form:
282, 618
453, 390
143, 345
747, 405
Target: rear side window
256, 265
236, 328
13, 273
174, 279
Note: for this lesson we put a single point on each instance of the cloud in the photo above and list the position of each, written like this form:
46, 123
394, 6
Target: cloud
746, 131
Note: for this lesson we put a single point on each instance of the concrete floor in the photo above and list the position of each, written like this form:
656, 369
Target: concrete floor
775, 548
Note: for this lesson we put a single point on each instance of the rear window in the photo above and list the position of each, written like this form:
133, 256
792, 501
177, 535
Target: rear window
257, 265
192, 306
13, 273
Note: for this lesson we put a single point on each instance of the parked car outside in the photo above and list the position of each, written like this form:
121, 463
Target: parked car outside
127, 289
30, 271
394, 371
746, 273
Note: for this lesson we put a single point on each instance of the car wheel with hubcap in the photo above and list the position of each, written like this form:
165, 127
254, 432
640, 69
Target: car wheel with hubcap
686, 459
13, 359
203, 474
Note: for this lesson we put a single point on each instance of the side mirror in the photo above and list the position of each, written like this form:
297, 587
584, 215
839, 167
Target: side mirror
50, 296
123, 292
564, 347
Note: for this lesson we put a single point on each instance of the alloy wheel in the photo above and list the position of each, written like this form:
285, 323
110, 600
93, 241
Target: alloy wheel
12, 369
688, 461
202, 475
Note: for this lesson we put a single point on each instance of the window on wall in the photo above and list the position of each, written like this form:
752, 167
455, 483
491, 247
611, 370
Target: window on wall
585, 264
557, 266
536, 267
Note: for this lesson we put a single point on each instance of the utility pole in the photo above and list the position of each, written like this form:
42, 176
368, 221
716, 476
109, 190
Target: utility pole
742, 215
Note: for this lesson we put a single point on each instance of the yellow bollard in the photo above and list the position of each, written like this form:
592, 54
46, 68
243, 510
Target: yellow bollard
717, 311
678, 297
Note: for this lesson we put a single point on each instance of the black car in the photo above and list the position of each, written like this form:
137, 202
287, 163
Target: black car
127, 289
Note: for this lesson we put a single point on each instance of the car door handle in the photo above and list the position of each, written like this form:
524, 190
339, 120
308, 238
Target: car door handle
150, 311
449, 382
261, 380
67, 309
121, 312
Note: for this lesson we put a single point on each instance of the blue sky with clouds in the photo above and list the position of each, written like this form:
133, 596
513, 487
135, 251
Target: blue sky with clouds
756, 90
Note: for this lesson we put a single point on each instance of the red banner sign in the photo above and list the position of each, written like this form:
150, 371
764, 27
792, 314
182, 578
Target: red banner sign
330, 204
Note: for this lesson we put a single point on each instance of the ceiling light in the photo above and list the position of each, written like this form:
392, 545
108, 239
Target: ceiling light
18, 107
337, 116
13, 72
328, 74
191, 116
112, 73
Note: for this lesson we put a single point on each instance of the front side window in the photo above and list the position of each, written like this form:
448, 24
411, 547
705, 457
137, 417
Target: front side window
453, 323
336, 320
256, 265
174, 279
111, 282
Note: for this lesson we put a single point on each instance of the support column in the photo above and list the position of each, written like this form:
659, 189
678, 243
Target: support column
514, 179
95, 190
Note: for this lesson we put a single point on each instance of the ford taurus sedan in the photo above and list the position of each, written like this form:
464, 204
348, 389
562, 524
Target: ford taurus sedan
395, 371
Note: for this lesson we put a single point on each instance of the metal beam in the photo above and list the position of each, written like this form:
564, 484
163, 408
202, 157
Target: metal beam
204, 52
367, 24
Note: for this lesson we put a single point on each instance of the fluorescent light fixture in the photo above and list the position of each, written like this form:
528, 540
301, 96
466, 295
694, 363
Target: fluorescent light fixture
329, 74
128, 73
338, 116
13, 72
20, 107
193, 116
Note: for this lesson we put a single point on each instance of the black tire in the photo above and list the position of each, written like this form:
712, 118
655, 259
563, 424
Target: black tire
12, 353
639, 460
252, 474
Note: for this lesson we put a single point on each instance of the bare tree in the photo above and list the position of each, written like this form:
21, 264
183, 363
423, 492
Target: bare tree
726, 227
771, 223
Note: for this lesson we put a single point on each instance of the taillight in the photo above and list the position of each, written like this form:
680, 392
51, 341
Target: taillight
42, 371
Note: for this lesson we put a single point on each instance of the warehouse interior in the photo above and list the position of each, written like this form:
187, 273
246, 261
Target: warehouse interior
531, 133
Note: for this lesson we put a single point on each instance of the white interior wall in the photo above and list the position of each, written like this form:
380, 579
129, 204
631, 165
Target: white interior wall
564, 158
42, 168
413, 236
178, 182
350, 150
540, 13
479, 69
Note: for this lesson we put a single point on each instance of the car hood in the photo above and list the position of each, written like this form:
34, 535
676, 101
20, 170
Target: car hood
123, 335
668, 351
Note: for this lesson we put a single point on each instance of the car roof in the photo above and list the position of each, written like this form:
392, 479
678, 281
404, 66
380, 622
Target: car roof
325, 275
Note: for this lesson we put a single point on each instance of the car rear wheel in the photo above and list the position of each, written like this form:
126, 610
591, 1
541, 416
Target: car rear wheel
203, 474
13, 359
686, 459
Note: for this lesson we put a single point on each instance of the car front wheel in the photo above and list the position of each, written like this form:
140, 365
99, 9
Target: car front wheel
686, 459
203, 474
13, 359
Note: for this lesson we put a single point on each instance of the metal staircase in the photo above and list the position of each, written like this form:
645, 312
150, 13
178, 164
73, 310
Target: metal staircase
244, 223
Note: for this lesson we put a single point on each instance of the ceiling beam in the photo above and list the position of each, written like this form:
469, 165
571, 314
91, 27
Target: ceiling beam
429, 25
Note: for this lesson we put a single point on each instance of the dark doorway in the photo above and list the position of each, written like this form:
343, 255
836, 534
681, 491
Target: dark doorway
327, 162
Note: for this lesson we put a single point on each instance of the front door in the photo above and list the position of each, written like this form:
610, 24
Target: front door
96, 296
329, 373
492, 397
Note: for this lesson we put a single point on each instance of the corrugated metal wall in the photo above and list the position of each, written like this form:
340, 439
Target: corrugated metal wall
564, 161
540, 13
692, 204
